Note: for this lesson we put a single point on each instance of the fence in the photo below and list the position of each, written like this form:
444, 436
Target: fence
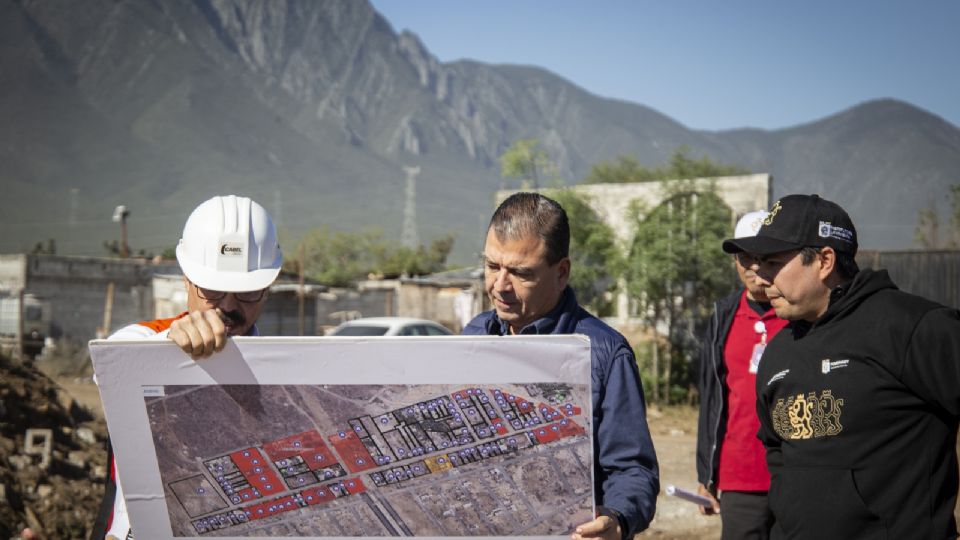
931, 274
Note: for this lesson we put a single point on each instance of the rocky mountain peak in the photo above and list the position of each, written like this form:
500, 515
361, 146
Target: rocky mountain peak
318, 106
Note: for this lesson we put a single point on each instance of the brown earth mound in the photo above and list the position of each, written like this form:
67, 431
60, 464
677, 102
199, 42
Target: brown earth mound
51, 477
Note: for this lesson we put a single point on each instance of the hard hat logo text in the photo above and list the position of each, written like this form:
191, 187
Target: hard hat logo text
227, 249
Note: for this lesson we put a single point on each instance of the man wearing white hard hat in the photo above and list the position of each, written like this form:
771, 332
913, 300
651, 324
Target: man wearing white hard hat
731, 462
230, 256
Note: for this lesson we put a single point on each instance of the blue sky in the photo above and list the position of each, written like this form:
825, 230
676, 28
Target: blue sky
713, 64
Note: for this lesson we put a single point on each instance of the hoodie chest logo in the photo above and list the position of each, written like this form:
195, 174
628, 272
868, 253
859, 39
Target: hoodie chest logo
807, 416
827, 365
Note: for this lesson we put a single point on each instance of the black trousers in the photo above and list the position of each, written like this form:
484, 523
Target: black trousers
745, 515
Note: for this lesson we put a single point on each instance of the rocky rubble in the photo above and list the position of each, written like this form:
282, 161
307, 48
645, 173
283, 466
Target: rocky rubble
52, 458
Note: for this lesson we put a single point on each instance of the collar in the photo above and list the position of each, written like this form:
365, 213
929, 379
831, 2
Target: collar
544, 325
760, 309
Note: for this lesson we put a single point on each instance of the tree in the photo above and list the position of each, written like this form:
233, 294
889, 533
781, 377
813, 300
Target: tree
676, 269
927, 232
626, 169
595, 257
49, 249
114, 249
423, 260
339, 258
527, 161
594, 254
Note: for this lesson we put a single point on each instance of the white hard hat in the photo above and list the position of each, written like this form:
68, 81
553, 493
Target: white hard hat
750, 223
230, 244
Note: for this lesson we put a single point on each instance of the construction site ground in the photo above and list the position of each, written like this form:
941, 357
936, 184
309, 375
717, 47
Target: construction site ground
63, 499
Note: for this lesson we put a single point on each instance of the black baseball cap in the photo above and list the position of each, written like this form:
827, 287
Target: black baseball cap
796, 221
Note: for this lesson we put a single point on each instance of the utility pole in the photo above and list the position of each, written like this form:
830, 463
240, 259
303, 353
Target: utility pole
120, 215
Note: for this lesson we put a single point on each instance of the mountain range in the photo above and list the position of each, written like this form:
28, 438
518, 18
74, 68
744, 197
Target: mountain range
314, 108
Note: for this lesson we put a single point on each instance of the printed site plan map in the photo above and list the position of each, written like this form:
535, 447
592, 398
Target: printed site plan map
370, 460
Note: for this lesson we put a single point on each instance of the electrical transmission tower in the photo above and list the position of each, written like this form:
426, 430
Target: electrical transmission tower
408, 238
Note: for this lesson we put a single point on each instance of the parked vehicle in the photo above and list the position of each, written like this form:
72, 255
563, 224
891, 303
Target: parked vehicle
390, 326
35, 325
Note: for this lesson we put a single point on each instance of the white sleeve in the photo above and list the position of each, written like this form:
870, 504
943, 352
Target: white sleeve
137, 331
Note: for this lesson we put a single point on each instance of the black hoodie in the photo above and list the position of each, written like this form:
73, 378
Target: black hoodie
859, 414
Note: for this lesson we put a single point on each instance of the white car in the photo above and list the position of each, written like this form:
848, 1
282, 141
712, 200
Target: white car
390, 326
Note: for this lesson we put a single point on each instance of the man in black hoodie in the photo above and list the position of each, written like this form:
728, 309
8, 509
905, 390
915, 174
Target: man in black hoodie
859, 397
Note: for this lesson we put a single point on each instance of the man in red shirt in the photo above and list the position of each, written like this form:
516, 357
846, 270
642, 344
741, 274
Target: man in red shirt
229, 256
731, 461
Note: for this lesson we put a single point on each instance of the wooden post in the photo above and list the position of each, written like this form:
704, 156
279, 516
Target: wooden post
107, 310
18, 354
300, 291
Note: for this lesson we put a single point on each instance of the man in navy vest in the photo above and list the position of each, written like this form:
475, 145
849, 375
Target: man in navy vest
526, 270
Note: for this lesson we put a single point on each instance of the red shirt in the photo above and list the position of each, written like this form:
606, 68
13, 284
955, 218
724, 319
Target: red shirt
743, 465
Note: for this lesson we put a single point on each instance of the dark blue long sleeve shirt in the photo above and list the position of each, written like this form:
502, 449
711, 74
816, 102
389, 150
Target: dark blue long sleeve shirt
626, 474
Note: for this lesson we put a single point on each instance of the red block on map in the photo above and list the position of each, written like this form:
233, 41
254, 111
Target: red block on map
317, 495
247, 494
256, 471
351, 449
549, 413
271, 508
570, 409
569, 428
547, 434
558, 430
353, 486
309, 445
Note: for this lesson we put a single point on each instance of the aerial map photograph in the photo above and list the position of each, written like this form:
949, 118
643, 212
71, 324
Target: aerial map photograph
364, 460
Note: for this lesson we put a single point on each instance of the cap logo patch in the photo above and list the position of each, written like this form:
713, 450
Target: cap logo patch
231, 249
773, 212
827, 230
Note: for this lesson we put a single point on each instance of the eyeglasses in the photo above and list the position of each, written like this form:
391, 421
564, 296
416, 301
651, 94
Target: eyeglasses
247, 297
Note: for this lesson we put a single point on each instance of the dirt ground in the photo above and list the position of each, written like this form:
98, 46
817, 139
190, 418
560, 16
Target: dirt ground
674, 432
52, 462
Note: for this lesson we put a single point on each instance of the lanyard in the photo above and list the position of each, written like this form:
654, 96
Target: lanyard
761, 329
